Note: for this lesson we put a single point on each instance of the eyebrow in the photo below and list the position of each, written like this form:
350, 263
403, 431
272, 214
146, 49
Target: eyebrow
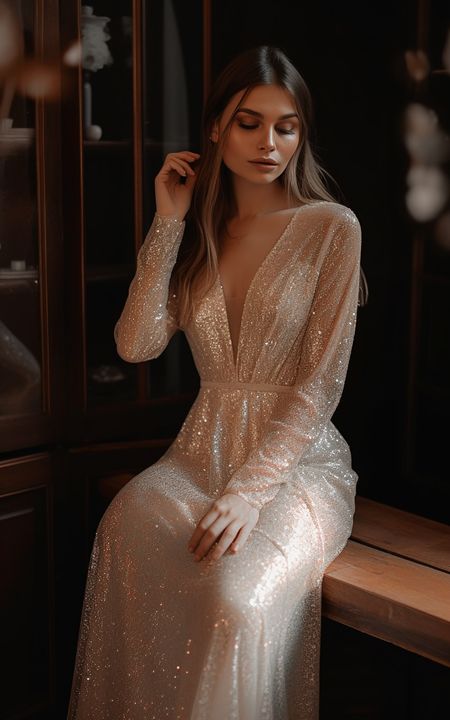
260, 115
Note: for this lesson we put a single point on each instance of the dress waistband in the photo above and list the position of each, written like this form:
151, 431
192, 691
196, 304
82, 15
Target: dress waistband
236, 385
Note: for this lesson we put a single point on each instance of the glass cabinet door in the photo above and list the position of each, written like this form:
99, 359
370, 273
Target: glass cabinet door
109, 188
141, 97
20, 307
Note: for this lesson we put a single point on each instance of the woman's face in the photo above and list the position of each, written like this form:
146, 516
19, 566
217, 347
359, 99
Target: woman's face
263, 136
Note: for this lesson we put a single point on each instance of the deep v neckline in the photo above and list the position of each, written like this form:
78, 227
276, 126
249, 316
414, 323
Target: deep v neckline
275, 246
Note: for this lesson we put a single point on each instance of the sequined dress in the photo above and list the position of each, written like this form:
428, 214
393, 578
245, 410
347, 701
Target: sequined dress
163, 636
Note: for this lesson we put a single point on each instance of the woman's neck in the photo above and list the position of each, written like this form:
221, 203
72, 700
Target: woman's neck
252, 200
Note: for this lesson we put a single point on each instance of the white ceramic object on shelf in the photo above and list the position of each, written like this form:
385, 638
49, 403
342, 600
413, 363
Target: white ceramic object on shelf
91, 132
18, 265
95, 55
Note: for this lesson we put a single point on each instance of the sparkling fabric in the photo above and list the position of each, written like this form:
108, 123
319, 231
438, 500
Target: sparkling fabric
163, 636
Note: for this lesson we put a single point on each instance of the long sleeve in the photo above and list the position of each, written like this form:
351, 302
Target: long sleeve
147, 321
300, 417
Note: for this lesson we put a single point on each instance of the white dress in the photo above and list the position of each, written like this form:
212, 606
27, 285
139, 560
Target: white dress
164, 636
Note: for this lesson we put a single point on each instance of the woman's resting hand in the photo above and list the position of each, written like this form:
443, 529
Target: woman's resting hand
230, 518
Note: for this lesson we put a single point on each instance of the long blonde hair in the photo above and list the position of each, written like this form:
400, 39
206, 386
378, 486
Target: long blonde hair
213, 202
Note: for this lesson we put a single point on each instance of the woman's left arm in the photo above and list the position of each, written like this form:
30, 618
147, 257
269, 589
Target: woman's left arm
300, 417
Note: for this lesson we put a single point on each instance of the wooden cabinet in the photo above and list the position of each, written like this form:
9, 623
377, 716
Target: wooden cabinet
76, 201
27, 578
109, 204
31, 278
76, 204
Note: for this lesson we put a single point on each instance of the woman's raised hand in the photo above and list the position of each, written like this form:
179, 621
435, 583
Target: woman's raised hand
229, 522
172, 196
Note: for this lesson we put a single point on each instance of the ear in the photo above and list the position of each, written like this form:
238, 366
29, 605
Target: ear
214, 134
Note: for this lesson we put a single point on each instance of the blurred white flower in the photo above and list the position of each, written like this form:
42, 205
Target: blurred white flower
428, 192
94, 37
73, 55
426, 142
39, 80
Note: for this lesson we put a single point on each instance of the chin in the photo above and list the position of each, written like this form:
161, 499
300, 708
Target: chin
262, 179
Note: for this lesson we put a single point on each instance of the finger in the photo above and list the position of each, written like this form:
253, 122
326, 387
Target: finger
241, 538
210, 536
202, 526
190, 181
183, 158
225, 541
185, 164
185, 154
169, 165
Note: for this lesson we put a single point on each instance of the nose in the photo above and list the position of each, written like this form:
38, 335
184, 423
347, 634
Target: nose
267, 140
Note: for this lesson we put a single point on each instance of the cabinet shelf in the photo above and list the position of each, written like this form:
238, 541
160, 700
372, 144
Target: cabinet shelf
24, 283
16, 140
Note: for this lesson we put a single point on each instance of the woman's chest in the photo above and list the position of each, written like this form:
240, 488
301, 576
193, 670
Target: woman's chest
260, 329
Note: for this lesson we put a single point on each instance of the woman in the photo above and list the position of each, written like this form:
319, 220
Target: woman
258, 484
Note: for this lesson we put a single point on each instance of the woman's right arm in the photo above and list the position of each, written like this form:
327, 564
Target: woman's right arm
148, 319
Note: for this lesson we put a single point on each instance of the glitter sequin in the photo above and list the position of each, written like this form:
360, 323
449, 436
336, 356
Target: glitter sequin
162, 636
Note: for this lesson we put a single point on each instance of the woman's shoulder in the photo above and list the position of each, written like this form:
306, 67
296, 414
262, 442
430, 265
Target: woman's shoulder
331, 226
330, 210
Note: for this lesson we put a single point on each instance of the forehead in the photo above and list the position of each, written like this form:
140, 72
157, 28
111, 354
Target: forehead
271, 101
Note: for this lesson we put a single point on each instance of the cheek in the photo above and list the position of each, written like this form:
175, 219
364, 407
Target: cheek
289, 147
235, 148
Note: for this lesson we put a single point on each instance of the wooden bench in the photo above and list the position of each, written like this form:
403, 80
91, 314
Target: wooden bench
392, 580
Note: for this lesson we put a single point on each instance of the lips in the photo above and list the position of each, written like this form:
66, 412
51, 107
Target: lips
264, 161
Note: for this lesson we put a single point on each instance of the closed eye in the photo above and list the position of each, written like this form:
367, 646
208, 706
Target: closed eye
282, 131
247, 127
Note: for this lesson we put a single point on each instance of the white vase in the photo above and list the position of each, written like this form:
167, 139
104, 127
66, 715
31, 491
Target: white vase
91, 132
